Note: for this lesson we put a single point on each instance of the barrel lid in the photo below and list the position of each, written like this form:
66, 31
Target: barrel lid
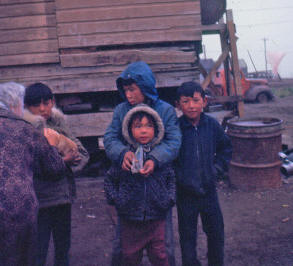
255, 122
254, 125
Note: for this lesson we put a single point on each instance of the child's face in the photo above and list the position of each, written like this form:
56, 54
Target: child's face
133, 94
192, 107
143, 131
44, 108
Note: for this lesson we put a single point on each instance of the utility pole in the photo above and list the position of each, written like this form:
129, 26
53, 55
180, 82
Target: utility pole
252, 61
204, 51
265, 49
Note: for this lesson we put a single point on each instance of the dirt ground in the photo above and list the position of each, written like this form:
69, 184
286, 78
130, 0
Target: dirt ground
258, 225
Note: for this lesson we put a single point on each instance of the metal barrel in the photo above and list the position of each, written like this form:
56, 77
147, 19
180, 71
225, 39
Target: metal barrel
255, 163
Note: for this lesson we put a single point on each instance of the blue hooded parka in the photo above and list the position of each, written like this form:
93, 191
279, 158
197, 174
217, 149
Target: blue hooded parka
115, 145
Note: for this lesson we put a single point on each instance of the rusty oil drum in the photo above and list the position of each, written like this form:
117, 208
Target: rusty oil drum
255, 163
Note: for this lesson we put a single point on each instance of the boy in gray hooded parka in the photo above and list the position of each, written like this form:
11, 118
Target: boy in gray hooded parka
142, 202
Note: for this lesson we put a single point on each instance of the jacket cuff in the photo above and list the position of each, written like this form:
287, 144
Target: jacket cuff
150, 157
122, 154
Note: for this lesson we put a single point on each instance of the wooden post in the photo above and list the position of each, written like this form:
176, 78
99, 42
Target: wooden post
234, 57
224, 46
213, 71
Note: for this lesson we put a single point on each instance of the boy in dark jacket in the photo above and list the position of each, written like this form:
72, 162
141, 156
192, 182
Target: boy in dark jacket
205, 150
56, 198
142, 202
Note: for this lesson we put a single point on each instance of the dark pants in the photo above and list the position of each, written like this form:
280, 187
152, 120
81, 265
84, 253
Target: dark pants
55, 220
137, 236
189, 207
18, 241
169, 242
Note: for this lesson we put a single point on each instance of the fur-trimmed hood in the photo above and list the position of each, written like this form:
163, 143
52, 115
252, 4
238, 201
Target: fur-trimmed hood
143, 108
40, 122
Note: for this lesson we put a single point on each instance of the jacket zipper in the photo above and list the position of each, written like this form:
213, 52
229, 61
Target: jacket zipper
145, 201
198, 154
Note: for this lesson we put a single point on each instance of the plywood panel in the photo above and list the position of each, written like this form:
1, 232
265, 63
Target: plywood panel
138, 24
140, 37
10, 2
27, 9
28, 34
27, 22
124, 57
79, 80
92, 124
26, 59
127, 12
76, 4
54, 71
30, 47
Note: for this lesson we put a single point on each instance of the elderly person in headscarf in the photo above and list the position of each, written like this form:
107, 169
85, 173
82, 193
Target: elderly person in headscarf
24, 153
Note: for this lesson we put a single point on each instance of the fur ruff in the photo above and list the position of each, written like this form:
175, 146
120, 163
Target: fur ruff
150, 111
65, 145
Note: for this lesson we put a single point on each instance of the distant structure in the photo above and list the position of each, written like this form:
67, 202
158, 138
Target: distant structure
208, 64
243, 66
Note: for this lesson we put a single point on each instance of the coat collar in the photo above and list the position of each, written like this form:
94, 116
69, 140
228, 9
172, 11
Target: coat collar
185, 123
8, 114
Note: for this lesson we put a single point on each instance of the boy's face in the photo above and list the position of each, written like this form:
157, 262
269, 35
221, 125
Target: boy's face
143, 131
192, 107
44, 108
133, 94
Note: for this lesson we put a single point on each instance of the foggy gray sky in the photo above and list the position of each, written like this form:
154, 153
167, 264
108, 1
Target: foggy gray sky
256, 20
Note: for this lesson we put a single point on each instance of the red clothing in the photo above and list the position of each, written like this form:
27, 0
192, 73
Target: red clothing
136, 236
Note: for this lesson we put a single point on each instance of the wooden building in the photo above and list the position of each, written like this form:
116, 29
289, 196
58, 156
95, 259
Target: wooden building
79, 47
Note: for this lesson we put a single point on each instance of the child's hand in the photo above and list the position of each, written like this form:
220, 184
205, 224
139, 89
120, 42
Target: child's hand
52, 136
72, 157
148, 168
127, 161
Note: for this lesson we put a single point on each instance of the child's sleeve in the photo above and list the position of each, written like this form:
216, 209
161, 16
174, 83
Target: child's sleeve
223, 150
83, 154
47, 164
111, 184
114, 147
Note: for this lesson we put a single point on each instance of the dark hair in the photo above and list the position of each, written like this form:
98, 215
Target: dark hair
35, 93
188, 89
140, 115
126, 82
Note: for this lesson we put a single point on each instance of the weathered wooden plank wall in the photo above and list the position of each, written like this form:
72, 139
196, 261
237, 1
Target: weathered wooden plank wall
28, 32
81, 46
100, 24
95, 124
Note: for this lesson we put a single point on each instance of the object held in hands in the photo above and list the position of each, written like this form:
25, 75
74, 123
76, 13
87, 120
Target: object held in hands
52, 136
66, 147
137, 162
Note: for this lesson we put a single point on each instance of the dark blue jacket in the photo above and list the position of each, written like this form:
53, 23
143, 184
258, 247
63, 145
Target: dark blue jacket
115, 146
205, 148
141, 198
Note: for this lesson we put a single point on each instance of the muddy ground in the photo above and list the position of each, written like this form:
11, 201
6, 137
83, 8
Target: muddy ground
258, 225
